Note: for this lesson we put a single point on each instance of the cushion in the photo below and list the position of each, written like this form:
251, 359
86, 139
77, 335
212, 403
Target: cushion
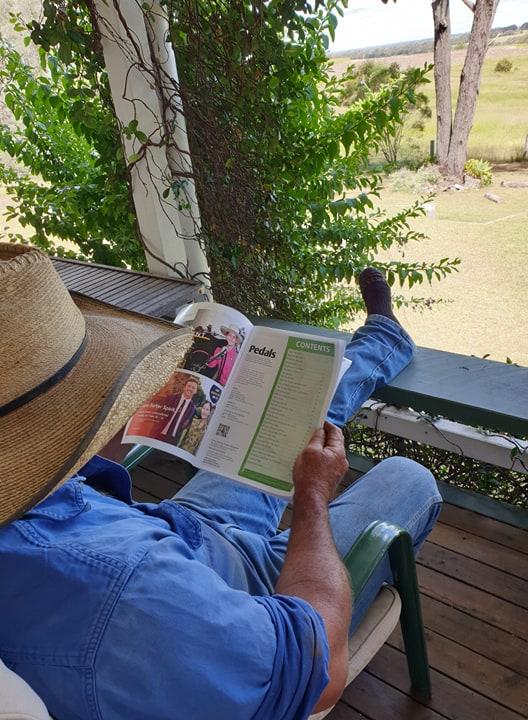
377, 625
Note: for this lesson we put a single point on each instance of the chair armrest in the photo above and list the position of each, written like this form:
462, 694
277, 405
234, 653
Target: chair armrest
368, 550
135, 456
361, 561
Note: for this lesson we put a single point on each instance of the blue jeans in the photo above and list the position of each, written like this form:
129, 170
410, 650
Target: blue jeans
240, 524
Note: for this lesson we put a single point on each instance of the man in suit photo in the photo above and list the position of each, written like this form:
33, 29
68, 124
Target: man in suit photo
184, 411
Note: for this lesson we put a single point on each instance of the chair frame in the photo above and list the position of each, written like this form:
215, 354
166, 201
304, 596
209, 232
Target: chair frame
361, 561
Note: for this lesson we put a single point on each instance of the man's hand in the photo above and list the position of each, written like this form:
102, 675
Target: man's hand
321, 464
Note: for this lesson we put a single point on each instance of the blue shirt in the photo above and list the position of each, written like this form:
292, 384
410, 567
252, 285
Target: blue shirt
113, 610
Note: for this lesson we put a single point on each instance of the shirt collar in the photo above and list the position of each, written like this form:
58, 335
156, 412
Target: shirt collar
107, 476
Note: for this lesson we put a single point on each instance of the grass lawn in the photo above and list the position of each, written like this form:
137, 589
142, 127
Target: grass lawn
487, 299
501, 119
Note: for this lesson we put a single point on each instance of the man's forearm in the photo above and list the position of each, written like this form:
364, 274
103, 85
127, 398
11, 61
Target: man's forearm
314, 572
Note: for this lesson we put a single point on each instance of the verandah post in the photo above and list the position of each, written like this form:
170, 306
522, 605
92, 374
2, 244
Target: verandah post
144, 84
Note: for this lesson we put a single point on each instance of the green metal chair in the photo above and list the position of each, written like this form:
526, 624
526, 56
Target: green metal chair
362, 559
400, 601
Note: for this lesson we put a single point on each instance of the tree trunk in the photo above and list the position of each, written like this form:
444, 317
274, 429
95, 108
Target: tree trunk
469, 85
442, 79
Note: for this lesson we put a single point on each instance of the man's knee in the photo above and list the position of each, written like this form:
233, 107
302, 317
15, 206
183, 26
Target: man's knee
407, 477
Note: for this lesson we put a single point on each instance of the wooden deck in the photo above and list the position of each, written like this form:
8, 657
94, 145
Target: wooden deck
473, 574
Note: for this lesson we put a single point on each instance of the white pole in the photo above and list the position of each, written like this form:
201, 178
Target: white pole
168, 230
178, 152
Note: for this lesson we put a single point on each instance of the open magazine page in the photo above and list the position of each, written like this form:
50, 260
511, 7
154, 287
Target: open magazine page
280, 393
176, 418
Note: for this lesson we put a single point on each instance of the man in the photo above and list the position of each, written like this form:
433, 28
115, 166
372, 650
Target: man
184, 411
167, 416
196, 607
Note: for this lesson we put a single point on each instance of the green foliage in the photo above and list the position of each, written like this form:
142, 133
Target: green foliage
500, 483
480, 169
504, 65
66, 175
372, 77
287, 200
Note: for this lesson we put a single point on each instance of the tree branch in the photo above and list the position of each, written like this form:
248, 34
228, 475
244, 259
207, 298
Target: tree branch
470, 4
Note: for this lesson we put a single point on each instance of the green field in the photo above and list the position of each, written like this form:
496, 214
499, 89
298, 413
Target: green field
501, 121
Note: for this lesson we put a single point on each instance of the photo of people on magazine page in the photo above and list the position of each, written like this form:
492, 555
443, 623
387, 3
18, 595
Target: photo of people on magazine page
246, 399
177, 415
218, 337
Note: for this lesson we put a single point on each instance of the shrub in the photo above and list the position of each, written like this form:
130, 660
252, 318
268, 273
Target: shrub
425, 179
504, 65
479, 169
450, 467
66, 176
371, 76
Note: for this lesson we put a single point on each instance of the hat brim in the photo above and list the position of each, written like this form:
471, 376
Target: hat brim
127, 358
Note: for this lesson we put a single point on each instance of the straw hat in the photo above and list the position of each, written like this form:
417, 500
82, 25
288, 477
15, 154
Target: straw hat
72, 372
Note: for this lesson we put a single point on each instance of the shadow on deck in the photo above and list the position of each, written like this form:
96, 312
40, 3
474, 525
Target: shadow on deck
473, 574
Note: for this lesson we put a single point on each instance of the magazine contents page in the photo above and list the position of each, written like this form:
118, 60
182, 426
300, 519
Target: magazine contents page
177, 417
279, 394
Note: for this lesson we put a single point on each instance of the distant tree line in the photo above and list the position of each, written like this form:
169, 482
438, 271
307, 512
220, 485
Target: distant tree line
413, 47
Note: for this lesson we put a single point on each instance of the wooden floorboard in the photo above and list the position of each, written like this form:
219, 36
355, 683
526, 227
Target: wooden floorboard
499, 583
451, 698
476, 634
379, 700
474, 586
476, 602
490, 679
342, 711
484, 550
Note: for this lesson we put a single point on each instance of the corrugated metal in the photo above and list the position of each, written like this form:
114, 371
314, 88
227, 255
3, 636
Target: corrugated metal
148, 294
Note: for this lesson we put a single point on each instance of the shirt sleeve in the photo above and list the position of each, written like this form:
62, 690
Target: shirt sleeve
300, 667
182, 643
213, 362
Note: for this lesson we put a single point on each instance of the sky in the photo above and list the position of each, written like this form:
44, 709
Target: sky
370, 22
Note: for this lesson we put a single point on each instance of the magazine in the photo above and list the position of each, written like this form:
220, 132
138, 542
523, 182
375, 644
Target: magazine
245, 401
